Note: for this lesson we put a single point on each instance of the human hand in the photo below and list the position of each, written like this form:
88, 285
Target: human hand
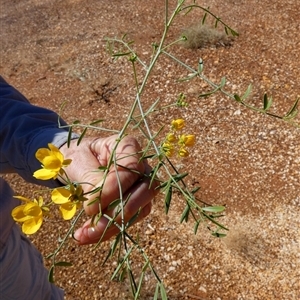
93, 153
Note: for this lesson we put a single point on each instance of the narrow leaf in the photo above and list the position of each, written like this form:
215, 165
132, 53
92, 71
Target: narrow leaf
132, 220
168, 199
49, 255
155, 297
145, 266
214, 221
96, 122
214, 209
291, 113
219, 235
119, 54
164, 185
195, 190
113, 248
63, 264
81, 136
122, 274
196, 227
122, 263
154, 171
237, 98
223, 82
216, 22
204, 18
137, 293
200, 66
69, 136
113, 204
188, 77
267, 102
247, 93
102, 168
51, 274
233, 32
178, 177
185, 214
163, 292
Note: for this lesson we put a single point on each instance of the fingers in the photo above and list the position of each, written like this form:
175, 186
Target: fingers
128, 170
88, 234
84, 163
124, 179
139, 201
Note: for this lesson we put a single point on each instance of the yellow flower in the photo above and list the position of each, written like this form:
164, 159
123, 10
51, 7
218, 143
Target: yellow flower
30, 214
52, 162
68, 199
187, 140
171, 138
177, 124
183, 152
168, 149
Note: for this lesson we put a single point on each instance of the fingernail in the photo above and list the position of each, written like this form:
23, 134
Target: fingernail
77, 235
84, 235
91, 232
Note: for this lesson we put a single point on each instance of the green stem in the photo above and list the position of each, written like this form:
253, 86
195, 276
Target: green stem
67, 235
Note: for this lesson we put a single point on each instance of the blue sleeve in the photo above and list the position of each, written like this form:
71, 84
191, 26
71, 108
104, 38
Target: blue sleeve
24, 128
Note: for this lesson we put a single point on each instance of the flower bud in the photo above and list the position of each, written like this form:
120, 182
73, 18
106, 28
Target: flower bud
177, 124
171, 138
189, 140
168, 149
183, 152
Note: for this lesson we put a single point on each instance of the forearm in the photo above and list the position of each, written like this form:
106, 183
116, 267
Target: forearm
24, 128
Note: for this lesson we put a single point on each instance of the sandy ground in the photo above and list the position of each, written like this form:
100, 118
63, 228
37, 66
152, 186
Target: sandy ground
54, 51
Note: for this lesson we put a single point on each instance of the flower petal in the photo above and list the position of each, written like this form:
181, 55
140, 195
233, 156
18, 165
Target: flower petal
32, 209
171, 138
18, 214
42, 153
66, 162
52, 163
22, 198
190, 140
183, 152
44, 174
56, 153
40, 201
60, 195
32, 225
54, 149
68, 210
177, 124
